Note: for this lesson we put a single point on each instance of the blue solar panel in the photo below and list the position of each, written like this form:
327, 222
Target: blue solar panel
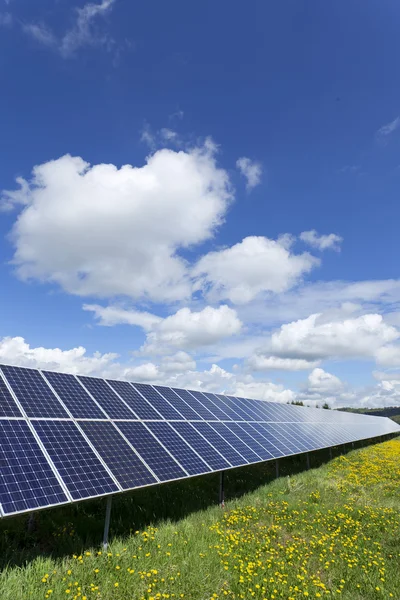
219, 414
292, 432
202, 447
244, 432
224, 406
220, 444
264, 439
195, 404
107, 398
251, 408
124, 463
239, 444
27, 481
134, 400
242, 415
8, 407
186, 411
179, 449
151, 451
33, 393
75, 398
283, 444
78, 465
157, 401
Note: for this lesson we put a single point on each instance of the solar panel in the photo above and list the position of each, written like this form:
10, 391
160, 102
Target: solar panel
235, 441
186, 411
207, 452
179, 449
73, 395
227, 451
79, 467
151, 451
33, 393
157, 401
194, 404
218, 413
121, 459
8, 406
27, 481
134, 400
107, 398
64, 437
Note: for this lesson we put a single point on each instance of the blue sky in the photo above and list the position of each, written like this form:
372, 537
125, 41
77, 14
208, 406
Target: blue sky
250, 242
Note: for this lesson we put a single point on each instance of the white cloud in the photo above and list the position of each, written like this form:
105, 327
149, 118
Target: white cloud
259, 362
320, 381
177, 363
314, 339
268, 391
321, 242
188, 329
114, 315
103, 231
389, 128
388, 356
251, 170
252, 266
82, 33
168, 134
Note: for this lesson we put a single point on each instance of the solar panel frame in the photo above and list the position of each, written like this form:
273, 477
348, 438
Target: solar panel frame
111, 403
84, 476
25, 382
116, 441
77, 406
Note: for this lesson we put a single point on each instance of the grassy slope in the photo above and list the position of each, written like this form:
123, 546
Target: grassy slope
332, 531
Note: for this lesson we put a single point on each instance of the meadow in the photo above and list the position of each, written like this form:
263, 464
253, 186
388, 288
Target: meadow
332, 531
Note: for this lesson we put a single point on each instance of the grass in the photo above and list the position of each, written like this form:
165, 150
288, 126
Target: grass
333, 531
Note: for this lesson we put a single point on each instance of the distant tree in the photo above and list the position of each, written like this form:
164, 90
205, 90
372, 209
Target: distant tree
326, 406
297, 402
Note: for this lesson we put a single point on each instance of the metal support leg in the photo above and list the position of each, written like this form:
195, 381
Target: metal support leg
222, 489
31, 522
344, 448
308, 460
107, 522
277, 467
330, 453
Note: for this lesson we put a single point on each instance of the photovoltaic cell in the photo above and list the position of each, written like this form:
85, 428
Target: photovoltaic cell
283, 444
75, 398
189, 460
186, 411
224, 406
107, 398
134, 400
122, 461
243, 431
195, 404
262, 437
33, 393
202, 447
291, 432
220, 444
27, 481
157, 401
78, 465
8, 407
242, 415
158, 459
251, 408
239, 445
219, 415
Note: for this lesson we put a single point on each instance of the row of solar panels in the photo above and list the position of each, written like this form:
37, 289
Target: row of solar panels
59, 395
52, 452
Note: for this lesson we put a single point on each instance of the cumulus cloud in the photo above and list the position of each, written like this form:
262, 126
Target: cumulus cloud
103, 231
252, 266
314, 339
259, 362
251, 170
82, 32
189, 329
115, 315
321, 242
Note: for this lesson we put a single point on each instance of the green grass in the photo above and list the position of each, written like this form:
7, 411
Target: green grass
330, 531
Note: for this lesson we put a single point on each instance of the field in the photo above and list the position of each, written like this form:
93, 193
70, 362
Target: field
333, 531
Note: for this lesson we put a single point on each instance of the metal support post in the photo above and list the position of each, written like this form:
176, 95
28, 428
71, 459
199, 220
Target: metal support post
330, 453
277, 467
107, 522
222, 489
344, 448
308, 460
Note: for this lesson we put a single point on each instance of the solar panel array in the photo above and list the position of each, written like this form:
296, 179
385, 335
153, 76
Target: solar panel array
65, 438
